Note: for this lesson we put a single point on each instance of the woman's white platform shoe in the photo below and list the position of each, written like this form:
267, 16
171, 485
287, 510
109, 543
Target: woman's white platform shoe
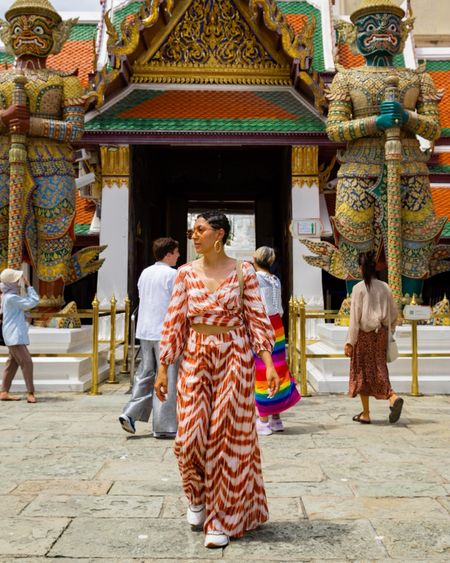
216, 539
196, 515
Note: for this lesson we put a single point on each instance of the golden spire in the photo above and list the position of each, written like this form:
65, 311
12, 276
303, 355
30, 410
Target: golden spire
33, 7
376, 7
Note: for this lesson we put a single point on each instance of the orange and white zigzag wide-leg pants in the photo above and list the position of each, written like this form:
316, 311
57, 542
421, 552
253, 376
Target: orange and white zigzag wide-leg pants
216, 444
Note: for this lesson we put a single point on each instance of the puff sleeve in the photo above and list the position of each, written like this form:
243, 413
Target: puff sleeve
175, 327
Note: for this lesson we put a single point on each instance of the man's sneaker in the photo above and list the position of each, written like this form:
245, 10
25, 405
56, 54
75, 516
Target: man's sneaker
263, 428
276, 424
216, 539
196, 515
127, 423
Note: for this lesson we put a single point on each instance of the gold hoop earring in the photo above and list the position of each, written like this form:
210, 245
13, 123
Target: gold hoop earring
217, 246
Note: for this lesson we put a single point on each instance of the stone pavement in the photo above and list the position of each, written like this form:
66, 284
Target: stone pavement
75, 488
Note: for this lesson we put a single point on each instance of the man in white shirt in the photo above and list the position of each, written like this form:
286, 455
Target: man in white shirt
155, 289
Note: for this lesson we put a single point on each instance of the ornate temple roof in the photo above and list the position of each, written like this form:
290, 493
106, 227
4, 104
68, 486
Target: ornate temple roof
238, 42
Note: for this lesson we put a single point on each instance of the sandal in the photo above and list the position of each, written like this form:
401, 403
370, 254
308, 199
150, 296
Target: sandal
357, 418
396, 410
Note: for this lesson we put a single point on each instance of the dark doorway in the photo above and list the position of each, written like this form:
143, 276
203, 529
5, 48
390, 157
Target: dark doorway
167, 181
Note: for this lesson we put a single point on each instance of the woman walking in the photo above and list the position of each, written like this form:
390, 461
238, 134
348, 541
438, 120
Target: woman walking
215, 318
15, 331
269, 408
373, 313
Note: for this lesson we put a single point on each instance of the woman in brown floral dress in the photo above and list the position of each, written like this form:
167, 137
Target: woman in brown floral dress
373, 313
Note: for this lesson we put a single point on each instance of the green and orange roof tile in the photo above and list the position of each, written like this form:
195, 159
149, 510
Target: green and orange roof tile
84, 213
211, 111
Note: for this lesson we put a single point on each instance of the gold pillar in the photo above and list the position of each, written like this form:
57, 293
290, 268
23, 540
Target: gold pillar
305, 165
116, 167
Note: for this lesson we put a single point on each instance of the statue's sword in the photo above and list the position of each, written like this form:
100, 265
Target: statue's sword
393, 156
17, 167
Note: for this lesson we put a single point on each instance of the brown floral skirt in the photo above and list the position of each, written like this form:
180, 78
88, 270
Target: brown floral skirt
369, 373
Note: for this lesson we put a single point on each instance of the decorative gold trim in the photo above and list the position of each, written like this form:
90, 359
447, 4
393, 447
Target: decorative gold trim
115, 165
305, 165
131, 26
298, 46
317, 86
205, 74
305, 160
101, 80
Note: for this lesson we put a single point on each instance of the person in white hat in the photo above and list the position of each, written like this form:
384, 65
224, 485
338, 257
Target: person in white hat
15, 331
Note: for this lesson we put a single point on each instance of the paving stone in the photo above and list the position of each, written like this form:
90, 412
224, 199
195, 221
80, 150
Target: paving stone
11, 505
17, 439
118, 538
108, 560
281, 508
141, 469
444, 471
155, 485
96, 427
397, 489
445, 501
68, 464
293, 541
330, 455
95, 506
174, 507
290, 471
334, 508
63, 487
281, 440
338, 440
29, 536
65, 415
382, 472
298, 489
380, 453
6, 486
424, 540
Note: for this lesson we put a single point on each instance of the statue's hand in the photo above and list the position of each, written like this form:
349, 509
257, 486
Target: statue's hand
392, 114
16, 118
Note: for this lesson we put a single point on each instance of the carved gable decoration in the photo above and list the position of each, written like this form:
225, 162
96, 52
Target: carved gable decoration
214, 43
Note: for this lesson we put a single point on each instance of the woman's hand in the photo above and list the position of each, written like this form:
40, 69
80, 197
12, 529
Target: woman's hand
348, 350
161, 383
273, 381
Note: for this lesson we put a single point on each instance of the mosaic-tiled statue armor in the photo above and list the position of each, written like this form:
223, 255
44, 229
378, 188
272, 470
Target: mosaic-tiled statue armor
359, 116
50, 119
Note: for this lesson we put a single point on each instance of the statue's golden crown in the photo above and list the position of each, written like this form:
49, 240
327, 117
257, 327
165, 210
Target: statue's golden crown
33, 7
375, 7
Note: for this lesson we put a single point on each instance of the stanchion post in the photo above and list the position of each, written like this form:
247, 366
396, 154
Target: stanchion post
303, 375
295, 358
126, 336
94, 364
414, 361
112, 343
291, 334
